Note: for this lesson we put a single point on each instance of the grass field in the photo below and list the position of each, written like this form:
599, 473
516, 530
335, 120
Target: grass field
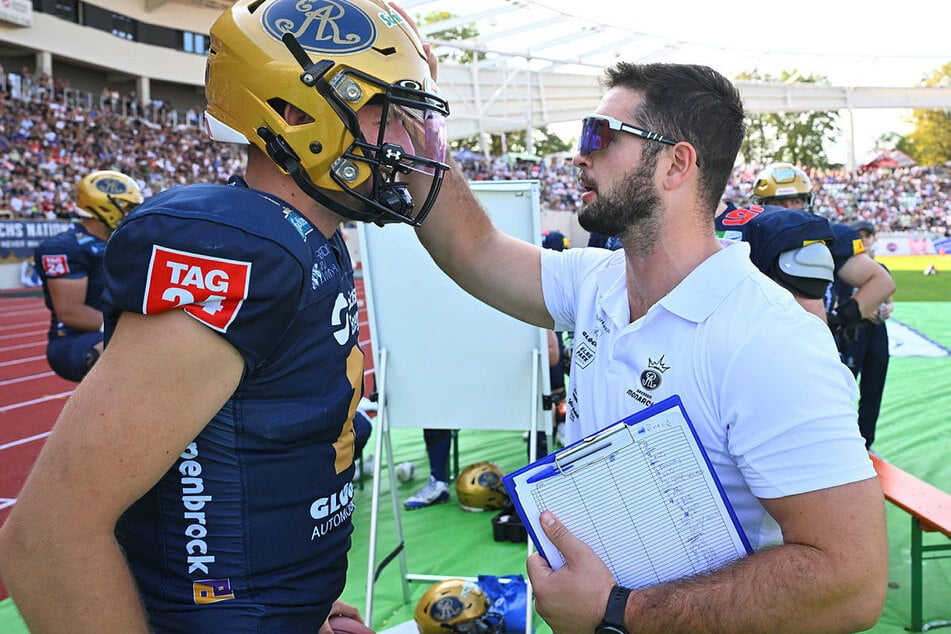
912, 285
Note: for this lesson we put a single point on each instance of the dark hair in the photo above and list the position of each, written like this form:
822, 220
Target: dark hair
692, 103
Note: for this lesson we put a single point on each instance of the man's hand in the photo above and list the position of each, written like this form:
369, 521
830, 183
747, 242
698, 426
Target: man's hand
572, 598
344, 619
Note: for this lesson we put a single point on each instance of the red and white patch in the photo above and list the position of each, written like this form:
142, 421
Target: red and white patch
211, 290
55, 265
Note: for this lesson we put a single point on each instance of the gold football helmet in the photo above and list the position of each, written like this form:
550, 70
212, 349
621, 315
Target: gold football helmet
456, 605
479, 487
323, 61
107, 196
782, 181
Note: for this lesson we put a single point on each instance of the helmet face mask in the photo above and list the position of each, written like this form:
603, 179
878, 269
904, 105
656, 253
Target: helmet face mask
108, 196
329, 61
780, 182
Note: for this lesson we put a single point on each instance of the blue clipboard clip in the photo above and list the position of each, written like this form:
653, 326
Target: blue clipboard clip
571, 456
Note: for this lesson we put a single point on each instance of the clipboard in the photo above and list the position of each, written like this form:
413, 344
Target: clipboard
641, 493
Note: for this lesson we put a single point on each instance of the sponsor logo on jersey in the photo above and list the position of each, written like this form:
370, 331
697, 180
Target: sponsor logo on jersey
651, 377
332, 511
324, 268
583, 356
331, 27
209, 289
212, 591
197, 552
300, 224
55, 265
858, 246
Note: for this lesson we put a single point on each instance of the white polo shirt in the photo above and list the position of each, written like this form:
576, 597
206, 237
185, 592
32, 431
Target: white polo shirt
759, 377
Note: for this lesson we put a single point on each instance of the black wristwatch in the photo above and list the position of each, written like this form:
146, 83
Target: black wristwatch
613, 621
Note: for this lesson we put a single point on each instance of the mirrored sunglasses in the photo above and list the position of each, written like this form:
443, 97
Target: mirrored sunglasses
597, 131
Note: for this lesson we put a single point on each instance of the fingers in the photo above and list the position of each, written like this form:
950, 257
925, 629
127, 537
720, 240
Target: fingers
345, 609
427, 47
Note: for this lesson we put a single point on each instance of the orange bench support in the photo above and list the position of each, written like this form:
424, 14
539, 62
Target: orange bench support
930, 510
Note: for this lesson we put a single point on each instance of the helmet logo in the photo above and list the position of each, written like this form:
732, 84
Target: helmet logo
111, 186
321, 26
446, 609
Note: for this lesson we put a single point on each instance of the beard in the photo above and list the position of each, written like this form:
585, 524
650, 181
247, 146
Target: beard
628, 210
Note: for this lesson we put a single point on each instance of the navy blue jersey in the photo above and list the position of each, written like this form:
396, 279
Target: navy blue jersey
771, 230
73, 254
848, 242
250, 528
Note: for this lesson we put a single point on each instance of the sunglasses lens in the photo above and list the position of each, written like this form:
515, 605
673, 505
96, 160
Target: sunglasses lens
595, 135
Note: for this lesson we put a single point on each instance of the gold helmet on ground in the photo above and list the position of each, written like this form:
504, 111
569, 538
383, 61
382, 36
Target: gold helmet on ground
456, 605
780, 182
290, 78
107, 196
479, 487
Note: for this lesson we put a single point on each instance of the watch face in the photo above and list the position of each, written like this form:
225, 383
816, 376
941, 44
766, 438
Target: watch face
607, 628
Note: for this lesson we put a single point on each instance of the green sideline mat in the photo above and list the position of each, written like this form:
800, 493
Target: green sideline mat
913, 433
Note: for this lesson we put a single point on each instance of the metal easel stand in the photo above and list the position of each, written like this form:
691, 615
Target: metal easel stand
383, 443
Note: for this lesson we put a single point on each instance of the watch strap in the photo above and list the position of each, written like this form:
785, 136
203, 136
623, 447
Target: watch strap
617, 604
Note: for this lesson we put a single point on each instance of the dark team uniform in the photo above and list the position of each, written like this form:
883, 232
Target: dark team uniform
772, 231
73, 254
847, 242
863, 347
249, 530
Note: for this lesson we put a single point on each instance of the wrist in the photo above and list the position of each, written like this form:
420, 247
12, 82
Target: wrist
614, 612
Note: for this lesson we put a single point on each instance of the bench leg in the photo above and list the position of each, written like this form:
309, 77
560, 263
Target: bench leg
916, 590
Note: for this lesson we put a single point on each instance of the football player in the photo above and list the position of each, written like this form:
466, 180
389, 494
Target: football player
200, 479
70, 266
790, 246
788, 186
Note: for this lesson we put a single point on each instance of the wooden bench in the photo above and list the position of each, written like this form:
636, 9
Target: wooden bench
930, 510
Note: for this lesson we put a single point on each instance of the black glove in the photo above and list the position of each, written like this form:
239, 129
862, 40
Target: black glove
845, 322
844, 315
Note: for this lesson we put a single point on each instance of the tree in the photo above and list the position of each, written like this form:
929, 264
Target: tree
457, 34
795, 137
930, 141
545, 142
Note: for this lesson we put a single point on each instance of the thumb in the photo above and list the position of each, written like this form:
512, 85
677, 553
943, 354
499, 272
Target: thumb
559, 534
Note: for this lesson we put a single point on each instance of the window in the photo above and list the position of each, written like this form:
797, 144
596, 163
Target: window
123, 26
194, 43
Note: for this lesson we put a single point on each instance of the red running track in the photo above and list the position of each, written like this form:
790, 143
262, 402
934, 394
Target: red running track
31, 395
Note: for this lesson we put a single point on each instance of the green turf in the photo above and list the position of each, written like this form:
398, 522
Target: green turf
913, 433
912, 286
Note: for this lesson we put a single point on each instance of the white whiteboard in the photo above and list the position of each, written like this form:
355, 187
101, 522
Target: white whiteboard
452, 361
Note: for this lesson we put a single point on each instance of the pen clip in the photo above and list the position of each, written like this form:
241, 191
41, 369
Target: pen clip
591, 444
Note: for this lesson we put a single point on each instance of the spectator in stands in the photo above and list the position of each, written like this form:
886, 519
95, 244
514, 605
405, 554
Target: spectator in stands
70, 268
654, 161
200, 477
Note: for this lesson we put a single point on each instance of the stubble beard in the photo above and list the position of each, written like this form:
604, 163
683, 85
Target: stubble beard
629, 210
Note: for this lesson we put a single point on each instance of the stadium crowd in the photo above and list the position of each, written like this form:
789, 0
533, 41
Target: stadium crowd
47, 145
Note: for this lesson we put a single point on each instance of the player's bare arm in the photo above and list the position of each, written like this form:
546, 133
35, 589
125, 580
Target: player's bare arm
105, 451
68, 296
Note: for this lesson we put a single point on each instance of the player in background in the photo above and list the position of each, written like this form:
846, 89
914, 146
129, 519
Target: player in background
788, 186
790, 246
70, 267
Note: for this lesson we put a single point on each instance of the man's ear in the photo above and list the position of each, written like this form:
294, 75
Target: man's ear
683, 163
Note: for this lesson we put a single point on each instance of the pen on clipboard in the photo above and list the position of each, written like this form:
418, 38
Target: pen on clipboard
560, 468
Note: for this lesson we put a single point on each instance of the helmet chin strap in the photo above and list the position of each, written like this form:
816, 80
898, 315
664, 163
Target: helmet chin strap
392, 197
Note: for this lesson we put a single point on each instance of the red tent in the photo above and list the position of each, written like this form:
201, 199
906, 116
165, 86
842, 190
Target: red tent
889, 158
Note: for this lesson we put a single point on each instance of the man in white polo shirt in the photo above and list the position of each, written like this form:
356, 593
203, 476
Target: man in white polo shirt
679, 312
